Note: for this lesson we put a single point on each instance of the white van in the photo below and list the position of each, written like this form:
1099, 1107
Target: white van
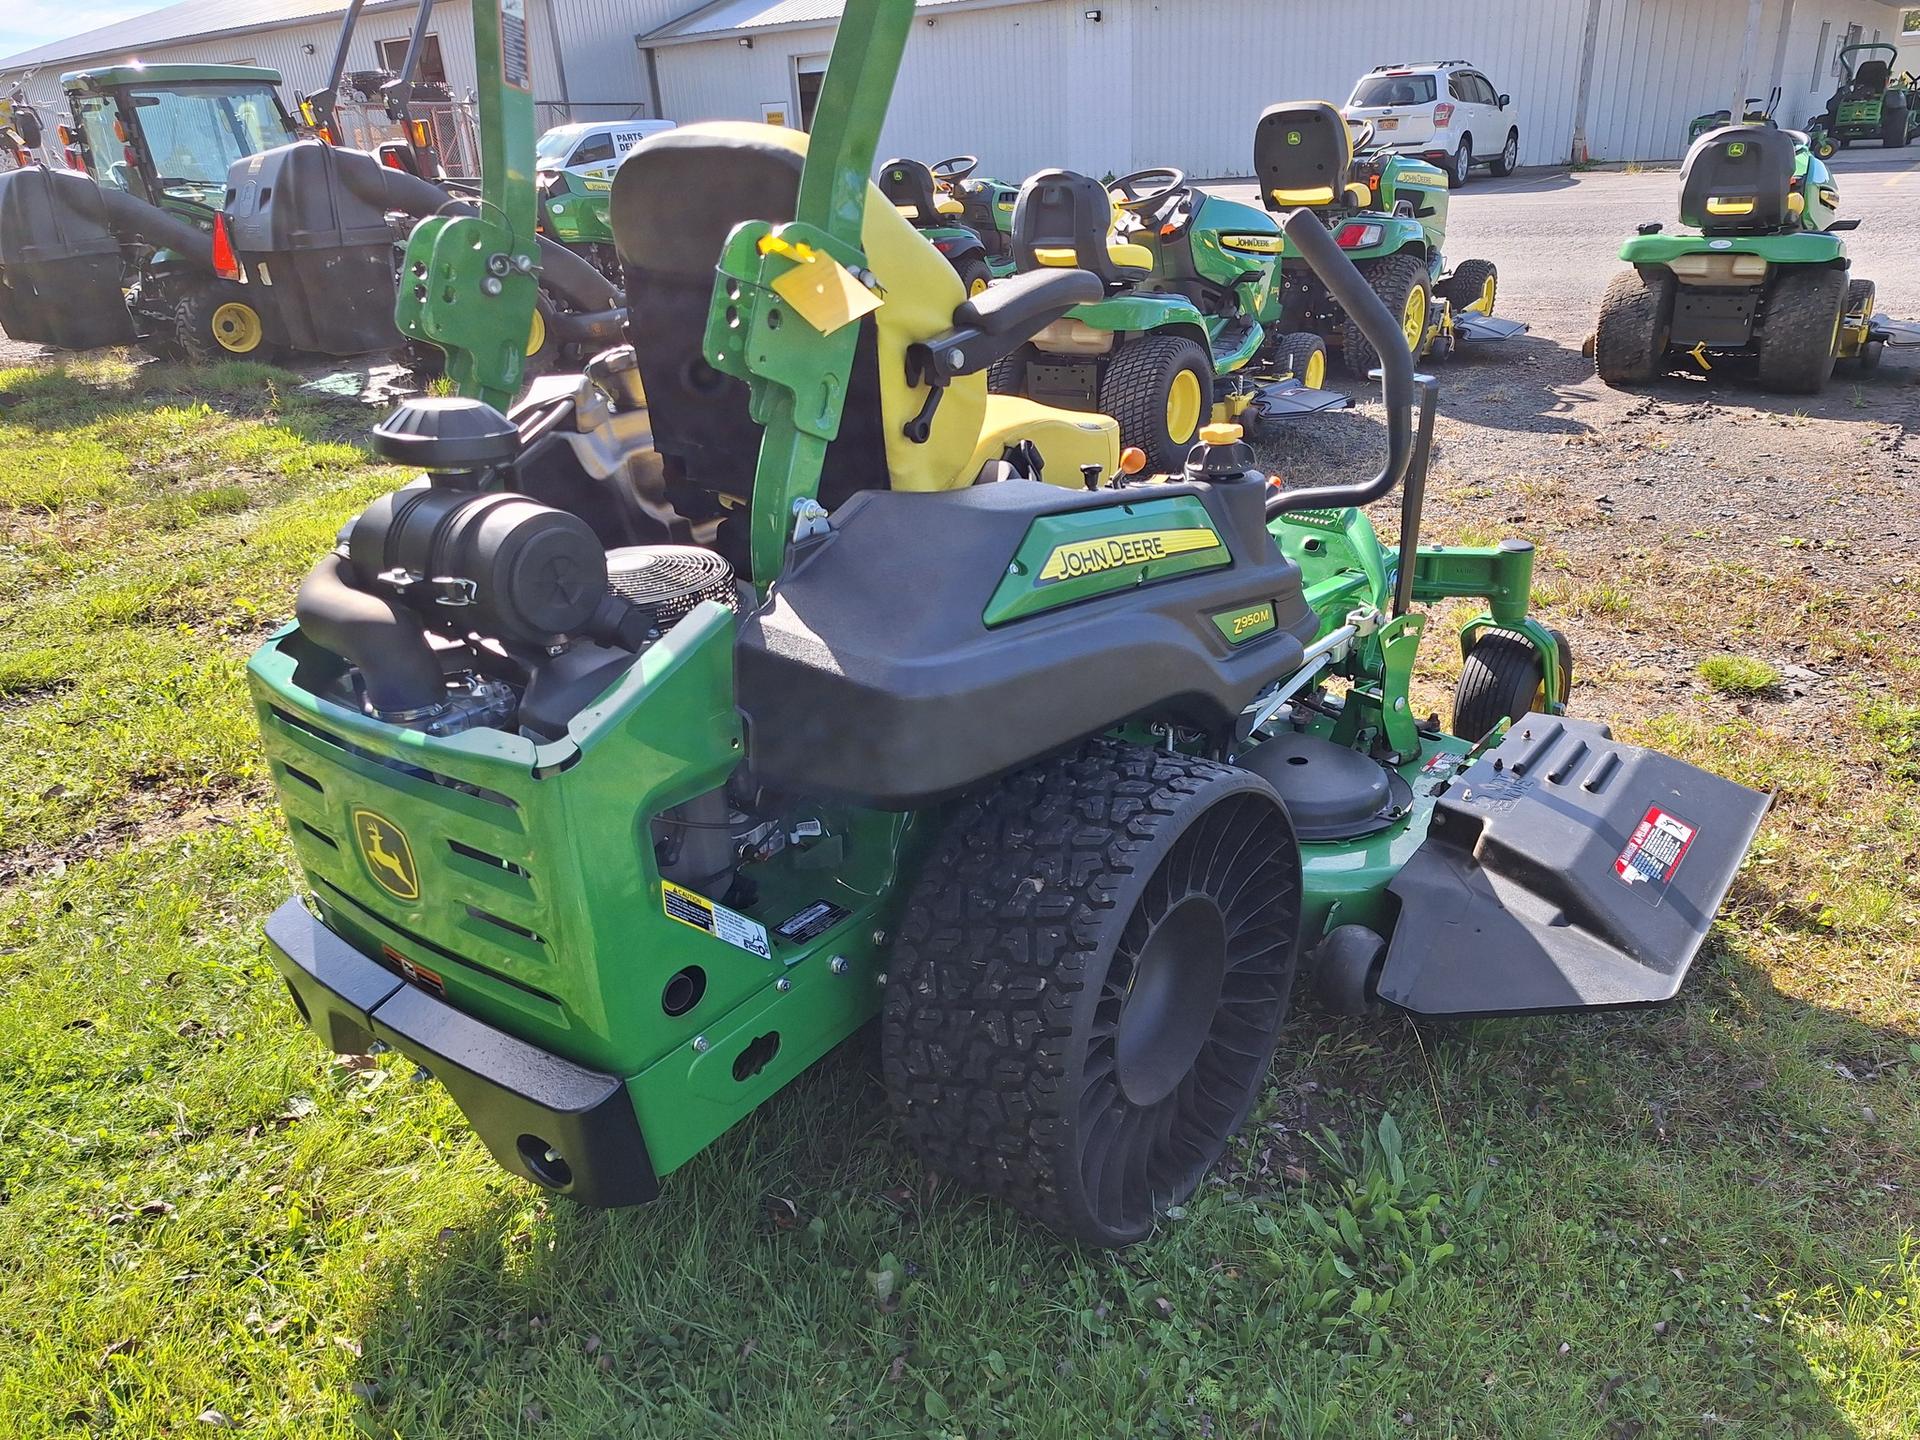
592, 150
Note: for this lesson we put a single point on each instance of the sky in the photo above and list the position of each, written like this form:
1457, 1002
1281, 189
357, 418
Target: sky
24, 26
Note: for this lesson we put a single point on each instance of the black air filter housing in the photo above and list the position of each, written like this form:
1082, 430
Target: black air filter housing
667, 581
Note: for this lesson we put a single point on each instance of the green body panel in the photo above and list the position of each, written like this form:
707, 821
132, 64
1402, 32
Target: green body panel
474, 277
577, 211
1800, 248
1071, 557
1138, 312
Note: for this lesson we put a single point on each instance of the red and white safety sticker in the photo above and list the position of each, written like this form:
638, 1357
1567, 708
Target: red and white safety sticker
1660, 842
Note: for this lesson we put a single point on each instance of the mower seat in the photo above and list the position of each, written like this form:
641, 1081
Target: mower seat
1870, 79
1065, 221
677, 196
1738, 180
910, 186
1302, 152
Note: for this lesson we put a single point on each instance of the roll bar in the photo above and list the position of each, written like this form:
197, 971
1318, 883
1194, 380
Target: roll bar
1313, 244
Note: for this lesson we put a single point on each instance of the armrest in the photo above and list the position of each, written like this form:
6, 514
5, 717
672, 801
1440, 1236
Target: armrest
998, 321
1026, 304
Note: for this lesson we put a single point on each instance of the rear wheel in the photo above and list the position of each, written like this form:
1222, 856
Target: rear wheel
1160, 389
1089, 982
1509, 160
1636, 321
1461, 170
543, 346
1402, 283
1800, 333
1893, 128
1475, 285
974, 274
1008, 374
216, 321
1303, 355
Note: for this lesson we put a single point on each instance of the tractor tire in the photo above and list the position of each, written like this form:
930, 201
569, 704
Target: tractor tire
1460, 168
1636, 320
1089, 980
1157, 386
1472, 282
215, 321
543, 345
1501, 679
1800, 332
1397, 279
1008, 374
1893, 128
1303, 355
1860, 301
1509, 159
974, 274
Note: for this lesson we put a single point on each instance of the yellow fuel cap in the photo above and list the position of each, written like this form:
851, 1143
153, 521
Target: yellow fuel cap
1221, 434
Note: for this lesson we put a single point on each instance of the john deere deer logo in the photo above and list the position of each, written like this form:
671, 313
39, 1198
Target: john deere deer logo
389, 858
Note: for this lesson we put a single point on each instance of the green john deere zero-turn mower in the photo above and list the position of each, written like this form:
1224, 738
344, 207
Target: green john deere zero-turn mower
1179, 338
1873, 103
1389, 214
748, 687
1760, 281
125, 251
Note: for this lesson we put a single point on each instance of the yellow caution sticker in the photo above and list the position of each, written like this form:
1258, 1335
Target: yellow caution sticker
824, 293
718, 921
1094, 557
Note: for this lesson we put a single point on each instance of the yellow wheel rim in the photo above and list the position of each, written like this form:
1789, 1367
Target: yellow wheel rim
1413, 319
978, 287
536, 333
1183, 407
1314, 374
1487, 292
236, 328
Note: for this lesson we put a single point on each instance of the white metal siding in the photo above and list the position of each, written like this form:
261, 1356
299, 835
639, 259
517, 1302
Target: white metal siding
606, 74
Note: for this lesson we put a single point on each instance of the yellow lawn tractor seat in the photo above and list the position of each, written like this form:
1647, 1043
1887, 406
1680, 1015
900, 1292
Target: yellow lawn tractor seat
1738, 180
1065, 220
909, 184
1303, 158
679, 194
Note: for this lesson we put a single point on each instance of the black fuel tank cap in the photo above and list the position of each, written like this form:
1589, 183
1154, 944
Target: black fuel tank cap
446, 432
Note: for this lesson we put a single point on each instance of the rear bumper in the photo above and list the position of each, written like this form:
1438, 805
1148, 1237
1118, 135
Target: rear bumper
561, 1126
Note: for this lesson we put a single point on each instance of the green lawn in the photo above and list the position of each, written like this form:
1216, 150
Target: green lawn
1692, 1222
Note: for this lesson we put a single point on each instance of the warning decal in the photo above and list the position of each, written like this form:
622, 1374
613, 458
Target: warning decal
514, 65
723, 924
1660, 842
816, 919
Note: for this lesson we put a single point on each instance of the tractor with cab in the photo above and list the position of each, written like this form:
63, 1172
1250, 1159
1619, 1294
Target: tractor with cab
771, 677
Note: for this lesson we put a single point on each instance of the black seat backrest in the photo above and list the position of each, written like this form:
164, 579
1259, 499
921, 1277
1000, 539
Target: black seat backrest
1302, 152
1737, 180
1061, 210
909, 184
1871, 77
676, 197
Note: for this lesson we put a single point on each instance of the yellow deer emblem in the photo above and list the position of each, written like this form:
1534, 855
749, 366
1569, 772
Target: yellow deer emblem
389, 858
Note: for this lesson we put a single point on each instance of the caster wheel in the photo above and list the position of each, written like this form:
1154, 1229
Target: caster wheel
1347, 970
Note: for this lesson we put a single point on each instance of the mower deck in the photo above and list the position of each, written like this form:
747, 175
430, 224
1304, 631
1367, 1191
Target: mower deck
1472, 325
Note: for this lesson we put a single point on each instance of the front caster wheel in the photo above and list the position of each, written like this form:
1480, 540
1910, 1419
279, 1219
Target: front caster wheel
1346, 971
1502, 679
1089, 981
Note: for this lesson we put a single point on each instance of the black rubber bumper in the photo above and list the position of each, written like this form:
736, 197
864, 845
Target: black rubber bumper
563, 1127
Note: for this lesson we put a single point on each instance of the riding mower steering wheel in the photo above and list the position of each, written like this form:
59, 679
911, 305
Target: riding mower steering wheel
1146, 192
954, 168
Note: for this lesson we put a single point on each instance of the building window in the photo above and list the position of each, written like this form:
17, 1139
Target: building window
1820, 53
433, 70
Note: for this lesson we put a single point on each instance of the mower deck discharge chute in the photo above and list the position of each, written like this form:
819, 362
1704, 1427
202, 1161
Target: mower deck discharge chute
772, 675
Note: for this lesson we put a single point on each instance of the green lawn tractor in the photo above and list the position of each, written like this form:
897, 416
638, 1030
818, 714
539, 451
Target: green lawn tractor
1871, 103
1389, 214
1179, 339
1759, 281
969, 221
1756, 112
676, 727
125, 251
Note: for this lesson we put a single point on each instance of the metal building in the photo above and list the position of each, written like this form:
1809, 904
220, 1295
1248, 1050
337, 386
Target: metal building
1098, 85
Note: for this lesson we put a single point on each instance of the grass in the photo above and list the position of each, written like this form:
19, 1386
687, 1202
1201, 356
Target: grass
1696, 1221
1738, 674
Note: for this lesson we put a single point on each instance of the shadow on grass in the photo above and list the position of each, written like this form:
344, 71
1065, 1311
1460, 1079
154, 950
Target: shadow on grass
1682, 1210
